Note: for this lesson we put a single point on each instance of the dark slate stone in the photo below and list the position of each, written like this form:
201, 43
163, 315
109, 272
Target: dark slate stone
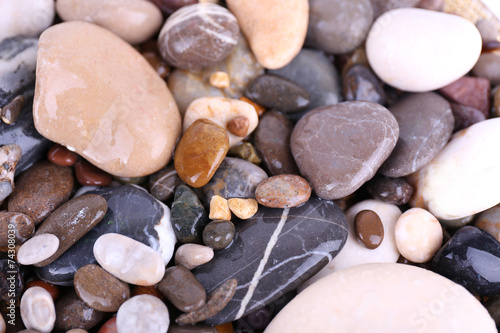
289, 249
235, 178
132, 212
471, 258
24, 134
17, 68
188, 216
360, 84
274, 92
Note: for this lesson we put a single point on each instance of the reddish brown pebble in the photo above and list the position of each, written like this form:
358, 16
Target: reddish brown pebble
146, 290
20, 224
469, 91
200, 151
158, 65
238, 126
182, 289
224, 328
72, 312
62, 156
109, 326
51, 289
258, 108
11, 111
283, 191
88, 174
369, 229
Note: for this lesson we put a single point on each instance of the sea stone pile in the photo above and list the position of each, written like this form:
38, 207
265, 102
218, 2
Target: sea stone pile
248, 166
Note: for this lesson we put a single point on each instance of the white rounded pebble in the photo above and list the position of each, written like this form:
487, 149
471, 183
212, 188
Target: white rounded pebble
27, 18
418, 235
221, 111
193, 255
385, 298
129, 260
464, 178
354, 253
420, 50
142, 314
37, 249
38, 311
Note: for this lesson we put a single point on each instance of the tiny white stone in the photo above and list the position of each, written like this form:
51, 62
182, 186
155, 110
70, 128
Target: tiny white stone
37, 249
193, 255
418, 235
422, 50
129, 260
142, 314
37, 310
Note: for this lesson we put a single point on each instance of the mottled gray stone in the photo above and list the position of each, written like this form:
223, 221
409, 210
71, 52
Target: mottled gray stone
382, 6
339, 147
274, 252
188, 216
425, 125
360, 84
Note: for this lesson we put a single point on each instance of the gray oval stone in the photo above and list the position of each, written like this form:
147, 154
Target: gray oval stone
425, 125
340, 147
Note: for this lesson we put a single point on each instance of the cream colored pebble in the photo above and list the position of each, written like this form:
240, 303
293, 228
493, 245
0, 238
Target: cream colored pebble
243, 208
219, 80
219, 209
193, 255
418, 235
38, 311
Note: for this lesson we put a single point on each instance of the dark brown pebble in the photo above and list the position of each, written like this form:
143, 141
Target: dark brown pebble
491, 46
283, 191
159, 66
163, 183
182, 289
369, 228
20, 223
61, 156
360, 84
146, 290
72, 312
88, 174
218, 234
12, 110
395, 191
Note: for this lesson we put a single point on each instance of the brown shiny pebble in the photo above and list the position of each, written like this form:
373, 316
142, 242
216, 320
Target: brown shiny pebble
200, 151
161, 67
182, 289
163, 183
258, 108
88, 174
40, 190
99, 289
22, 225
369, 229
51, 289
246, 151
109, 326
491, 46
72, 312
395, 191
225, 328
146, 290
62, 156
12, 110
283, 191
238, 126
217, 301
200, 328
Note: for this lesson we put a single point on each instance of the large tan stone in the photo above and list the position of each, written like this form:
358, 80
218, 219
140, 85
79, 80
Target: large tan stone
275, 29
97, 96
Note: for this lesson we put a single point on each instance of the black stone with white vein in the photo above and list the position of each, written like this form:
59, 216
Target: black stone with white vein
274, 253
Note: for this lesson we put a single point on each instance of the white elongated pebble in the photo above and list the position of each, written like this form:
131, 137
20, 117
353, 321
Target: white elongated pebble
142, 314
418, 235
37, 249
420, 50
383, 297
354, 252
464, 178
129, 260
193, 255
38, 311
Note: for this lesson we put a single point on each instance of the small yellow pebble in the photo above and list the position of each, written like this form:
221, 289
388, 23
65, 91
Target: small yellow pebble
219, 209
243, 208
219, 80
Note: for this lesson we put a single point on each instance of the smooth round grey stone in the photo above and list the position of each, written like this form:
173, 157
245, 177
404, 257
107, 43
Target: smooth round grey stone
338, 26
340, 147
425, 125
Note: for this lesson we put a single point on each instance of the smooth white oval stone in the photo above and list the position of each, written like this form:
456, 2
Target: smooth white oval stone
27, 18
464, 178
129, 260
354, 253
38, 311
37, 249
383, 297
142, 314
421, 50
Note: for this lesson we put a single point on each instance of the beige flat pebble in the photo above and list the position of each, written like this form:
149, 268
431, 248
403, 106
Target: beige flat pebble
37, 249
418, 235
38, 311
129, 260
219, 209
193, 255
243, 208
276, 30
221, 111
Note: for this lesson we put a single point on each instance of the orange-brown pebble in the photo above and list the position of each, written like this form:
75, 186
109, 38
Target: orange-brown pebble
238, 126
61, 156
283, 191
88, 174
224, 328
200, 151
159, 66
219, 80
243, 208
369, 228
52, 289
146, 290
109, 326
219, 209
258, 108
